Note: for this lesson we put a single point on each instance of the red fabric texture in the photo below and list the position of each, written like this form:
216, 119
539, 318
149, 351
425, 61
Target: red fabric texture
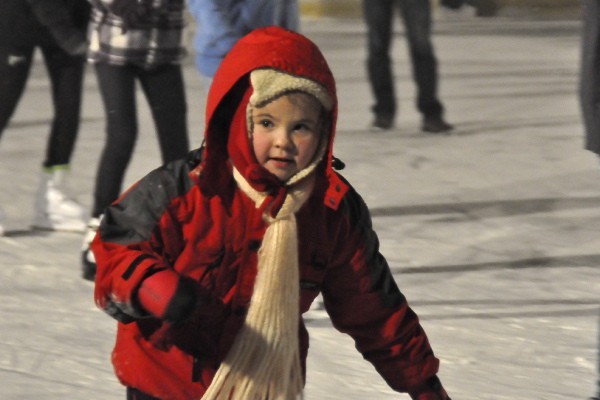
210, 233
157, 291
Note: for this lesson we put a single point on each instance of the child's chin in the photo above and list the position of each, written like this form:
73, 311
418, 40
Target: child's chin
282, 175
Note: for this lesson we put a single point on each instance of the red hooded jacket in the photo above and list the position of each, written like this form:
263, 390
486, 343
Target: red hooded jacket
190, 217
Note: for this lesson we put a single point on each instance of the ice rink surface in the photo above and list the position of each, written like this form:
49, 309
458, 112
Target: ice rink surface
493, 232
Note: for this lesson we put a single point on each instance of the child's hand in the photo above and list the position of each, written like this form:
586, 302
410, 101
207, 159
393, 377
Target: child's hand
167, 295
199, 334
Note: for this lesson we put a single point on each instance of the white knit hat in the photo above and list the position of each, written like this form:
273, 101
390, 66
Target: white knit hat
268, 84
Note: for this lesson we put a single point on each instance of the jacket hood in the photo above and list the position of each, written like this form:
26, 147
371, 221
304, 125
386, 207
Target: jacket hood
264, 48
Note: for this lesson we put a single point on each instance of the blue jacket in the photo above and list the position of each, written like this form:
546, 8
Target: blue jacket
221, 23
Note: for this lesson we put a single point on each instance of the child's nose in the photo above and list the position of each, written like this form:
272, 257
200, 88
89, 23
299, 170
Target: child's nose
283, 138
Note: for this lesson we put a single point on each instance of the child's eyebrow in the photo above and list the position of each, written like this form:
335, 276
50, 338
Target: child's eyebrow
263, 114
307, 120
266, 114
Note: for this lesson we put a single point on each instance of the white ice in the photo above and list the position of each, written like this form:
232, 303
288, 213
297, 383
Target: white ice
493, 233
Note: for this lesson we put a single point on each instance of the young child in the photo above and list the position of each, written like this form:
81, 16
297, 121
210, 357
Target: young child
208, 263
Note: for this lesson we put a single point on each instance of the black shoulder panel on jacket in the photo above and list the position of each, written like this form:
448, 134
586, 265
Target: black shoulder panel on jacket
355, 206
133, 218
359, 218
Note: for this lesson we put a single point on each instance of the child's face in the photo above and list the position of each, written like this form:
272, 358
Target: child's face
287, 132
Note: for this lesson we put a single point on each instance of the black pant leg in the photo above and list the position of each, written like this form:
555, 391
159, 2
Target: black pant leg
117, 88
416, 15
15, 64
66, 78
378, 16
164, 88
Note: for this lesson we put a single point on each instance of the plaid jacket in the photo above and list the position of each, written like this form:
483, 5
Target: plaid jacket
156, 41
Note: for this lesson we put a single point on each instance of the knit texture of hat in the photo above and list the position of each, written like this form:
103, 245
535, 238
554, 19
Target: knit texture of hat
268, 84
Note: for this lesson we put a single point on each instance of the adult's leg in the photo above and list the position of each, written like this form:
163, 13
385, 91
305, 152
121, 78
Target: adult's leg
54, 209
416, 15
15, 64
66, 78
378, 17
165, 91
117, 88
589, 81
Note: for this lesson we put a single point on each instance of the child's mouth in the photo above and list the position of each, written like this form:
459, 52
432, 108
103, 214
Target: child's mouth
281, 161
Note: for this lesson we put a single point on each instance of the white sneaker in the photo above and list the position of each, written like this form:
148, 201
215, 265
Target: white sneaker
54, 210
88, 261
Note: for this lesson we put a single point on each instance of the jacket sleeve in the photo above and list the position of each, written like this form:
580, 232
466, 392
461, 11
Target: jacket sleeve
363, 300
55, 15
140, 234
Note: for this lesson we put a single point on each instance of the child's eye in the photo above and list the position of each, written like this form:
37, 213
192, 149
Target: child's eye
265, 123
302, 128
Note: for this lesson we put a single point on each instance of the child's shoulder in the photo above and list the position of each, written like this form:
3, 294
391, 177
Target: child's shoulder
169, 180
351, 203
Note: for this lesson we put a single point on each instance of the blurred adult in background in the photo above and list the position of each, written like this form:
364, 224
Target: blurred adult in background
589, 94
483, 8
221, 23
58, 29
589, 83
133, 42
416, 15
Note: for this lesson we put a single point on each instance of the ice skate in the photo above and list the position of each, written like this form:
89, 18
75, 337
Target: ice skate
88, 261
54, 210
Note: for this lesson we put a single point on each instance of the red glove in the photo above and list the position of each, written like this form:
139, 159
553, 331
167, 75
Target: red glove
430, 390
167, 295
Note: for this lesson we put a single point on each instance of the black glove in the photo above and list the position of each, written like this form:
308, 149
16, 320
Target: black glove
431, 389
452, 4
135, 14
199, 334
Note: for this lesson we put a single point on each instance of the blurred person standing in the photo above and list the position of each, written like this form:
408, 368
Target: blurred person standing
416, 15
589, 95
221, 23
589, 81
135, 41
58, 29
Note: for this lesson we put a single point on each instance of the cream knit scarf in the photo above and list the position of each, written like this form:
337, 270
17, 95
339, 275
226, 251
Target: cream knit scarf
264, 361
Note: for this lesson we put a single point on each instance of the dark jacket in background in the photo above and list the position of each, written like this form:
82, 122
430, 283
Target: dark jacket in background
43, 22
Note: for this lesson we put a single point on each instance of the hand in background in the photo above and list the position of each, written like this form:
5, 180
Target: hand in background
135, 14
